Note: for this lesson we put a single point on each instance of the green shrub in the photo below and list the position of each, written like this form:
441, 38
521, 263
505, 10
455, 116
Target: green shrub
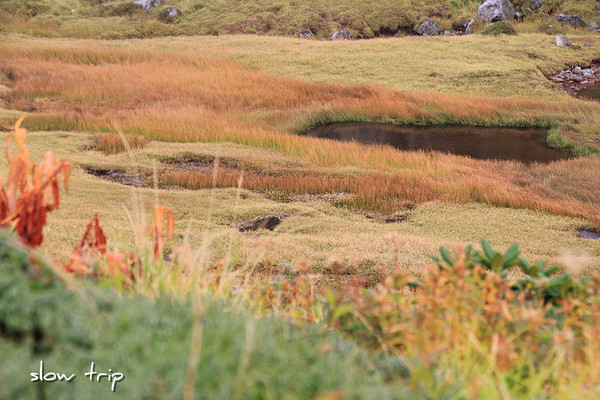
500, 28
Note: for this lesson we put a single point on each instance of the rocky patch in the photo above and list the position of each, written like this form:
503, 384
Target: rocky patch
576, 79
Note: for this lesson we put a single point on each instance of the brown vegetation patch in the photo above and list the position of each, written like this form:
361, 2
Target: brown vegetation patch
114, 144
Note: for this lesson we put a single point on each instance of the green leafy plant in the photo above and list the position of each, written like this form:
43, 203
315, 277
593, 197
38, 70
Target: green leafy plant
540, 281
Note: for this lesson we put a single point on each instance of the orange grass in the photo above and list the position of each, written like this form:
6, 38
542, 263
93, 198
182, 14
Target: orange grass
189, 98
113, 144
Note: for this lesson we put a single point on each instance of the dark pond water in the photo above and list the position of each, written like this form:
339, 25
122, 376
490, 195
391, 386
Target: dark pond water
591, 235
591, 93
525, 145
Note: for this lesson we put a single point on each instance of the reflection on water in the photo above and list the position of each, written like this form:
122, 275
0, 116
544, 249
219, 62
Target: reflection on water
525, 145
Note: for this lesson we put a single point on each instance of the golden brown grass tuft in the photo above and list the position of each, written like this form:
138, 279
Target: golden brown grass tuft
114, 144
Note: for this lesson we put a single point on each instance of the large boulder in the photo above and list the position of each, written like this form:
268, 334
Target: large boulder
342, 35
429, 28
496, 10
535, 4
573, 20
563, 41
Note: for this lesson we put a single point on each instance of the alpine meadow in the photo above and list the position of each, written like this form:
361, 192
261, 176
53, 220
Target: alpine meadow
279, 199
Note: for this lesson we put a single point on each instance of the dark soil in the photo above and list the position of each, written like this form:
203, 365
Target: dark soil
269, 222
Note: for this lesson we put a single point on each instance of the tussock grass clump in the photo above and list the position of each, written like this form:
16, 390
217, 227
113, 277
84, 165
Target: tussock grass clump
114, 144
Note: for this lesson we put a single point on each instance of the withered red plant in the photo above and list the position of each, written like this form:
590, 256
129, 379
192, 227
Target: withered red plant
92, 248
30, 191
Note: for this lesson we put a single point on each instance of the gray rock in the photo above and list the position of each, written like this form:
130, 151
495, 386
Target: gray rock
593, 27
307, 35
518, 15
468, 28
173, 12
429, 28
447, 33
496, 10
342, 35
146, 4
573, 20
535, 4
563, 41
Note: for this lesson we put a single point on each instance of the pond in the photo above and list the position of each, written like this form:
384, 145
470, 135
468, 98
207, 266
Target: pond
524, 145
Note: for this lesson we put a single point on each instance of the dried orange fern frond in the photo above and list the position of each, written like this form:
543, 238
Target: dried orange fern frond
31, 191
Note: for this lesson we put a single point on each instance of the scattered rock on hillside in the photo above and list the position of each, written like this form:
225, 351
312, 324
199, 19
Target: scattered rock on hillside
563, 41
169, 14
535, 4
572, 20
307, 35
496, 10
593, 27
342, 35
429, 28
468, 28
146, 4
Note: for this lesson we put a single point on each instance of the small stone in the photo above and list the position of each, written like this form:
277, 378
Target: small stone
468, 28
307, 35
429, 28
342, 35
447, 33
563, 41
535, 4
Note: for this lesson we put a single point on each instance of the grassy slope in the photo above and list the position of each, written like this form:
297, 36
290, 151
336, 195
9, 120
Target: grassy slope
118, 19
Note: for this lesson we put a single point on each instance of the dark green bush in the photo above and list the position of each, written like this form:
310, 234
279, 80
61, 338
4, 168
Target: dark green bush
500, 28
